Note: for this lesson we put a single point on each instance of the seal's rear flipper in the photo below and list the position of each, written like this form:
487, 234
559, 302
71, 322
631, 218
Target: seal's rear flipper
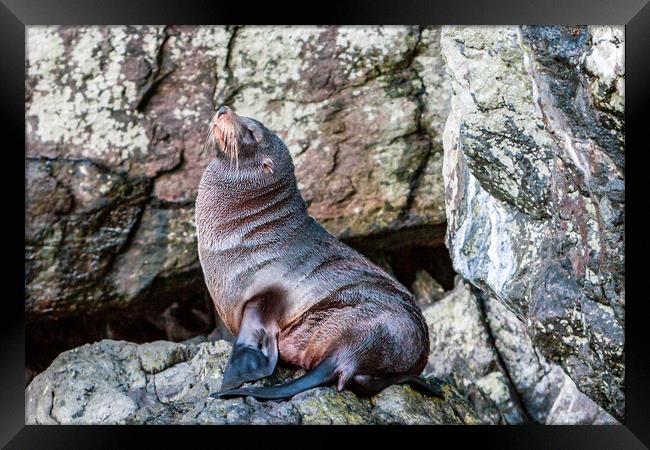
367, 385
320, 375
431, 387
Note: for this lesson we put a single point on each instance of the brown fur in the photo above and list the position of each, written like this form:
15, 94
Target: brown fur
323, 299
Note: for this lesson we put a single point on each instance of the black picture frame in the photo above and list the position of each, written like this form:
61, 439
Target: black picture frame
15, 15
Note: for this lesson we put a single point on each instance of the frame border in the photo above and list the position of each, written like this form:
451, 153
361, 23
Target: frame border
15, 15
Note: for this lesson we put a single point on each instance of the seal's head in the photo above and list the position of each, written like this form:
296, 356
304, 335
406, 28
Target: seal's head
249, 149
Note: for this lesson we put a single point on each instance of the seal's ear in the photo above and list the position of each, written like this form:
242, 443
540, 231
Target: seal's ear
267, 164
252, 135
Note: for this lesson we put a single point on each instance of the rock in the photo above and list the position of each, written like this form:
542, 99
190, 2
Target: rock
79, 215
533, 169
463, 353
117, 382
545, 391
572, 407
485, 350
426, 289
362, 110
157, 356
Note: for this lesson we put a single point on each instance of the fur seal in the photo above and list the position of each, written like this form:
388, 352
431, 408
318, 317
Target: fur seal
286, 287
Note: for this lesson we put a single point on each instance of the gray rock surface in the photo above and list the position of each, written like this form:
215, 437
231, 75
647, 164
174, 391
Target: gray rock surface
426, 289
545, 391
117, 382
462, 352
534, 182
485, 350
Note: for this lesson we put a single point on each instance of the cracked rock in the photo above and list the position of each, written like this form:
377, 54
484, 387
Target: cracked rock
110, 382
462, 352
485, 350
533, 169
361, 109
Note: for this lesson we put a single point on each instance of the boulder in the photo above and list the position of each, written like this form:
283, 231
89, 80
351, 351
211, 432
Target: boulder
481, 347
462, 352
118, 382
426, 289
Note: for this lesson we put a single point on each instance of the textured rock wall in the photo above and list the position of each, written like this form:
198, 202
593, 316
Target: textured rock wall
116, 123
535, 188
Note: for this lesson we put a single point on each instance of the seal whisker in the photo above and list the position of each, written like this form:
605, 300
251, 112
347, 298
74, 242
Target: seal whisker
208, 141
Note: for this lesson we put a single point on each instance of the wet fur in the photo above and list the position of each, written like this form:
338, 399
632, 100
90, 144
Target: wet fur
329, 303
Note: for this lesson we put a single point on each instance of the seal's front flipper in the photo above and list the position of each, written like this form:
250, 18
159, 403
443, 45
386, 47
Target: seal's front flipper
321, 374
255, 353
248, 363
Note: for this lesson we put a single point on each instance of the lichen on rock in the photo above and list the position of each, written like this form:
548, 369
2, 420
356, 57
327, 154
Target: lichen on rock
534, 182
117, 382
360, 108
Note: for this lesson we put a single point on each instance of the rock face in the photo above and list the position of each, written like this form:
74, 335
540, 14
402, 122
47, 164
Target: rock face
484, 349
117, 382
534, 189
116, 123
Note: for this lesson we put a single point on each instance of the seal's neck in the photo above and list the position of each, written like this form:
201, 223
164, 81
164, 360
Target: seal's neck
242, 208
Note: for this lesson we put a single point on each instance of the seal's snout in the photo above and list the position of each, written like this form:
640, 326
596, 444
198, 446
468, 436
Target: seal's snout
222, 110
226, 129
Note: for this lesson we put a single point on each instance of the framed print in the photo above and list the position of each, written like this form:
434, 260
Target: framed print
330, 222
